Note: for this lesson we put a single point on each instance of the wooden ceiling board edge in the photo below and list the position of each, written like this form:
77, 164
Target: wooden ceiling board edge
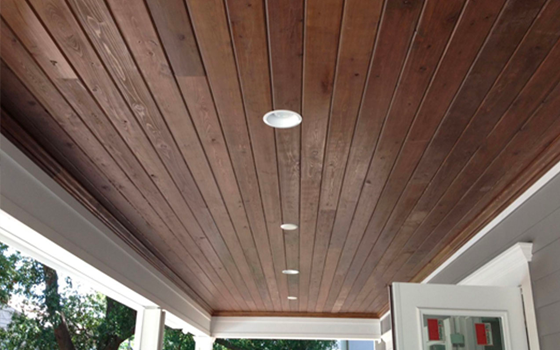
285, 43
358, 33
183, 192
151, 60
215, 43
293, 314
425, 52
546, 121
483, 123
247, 25
383, 76
69, 87
451, 128
322, 34
65, 179
462, 50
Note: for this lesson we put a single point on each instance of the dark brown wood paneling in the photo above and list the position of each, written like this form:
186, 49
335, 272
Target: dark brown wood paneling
285, 40
22, 105
150, 57
387, 61
422, 120
358, 33
425, 51
322, 31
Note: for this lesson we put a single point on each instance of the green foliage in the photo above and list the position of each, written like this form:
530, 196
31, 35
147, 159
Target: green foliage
175, 339
273, 344
93, 320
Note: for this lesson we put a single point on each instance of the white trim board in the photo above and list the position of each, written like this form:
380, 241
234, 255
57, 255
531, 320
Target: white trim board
296, 328
72, 239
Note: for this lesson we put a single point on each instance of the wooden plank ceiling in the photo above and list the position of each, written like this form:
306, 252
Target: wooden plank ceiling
422, 119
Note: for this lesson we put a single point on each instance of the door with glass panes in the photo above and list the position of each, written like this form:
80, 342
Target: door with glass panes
450, 317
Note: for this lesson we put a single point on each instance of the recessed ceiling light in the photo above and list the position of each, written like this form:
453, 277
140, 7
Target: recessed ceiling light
292, 298
290, 272
282, 119
289, 227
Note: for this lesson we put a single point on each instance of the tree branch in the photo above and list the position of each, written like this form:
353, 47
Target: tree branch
52, 300
229, 345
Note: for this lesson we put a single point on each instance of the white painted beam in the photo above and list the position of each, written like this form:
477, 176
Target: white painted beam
41, 219
296, 328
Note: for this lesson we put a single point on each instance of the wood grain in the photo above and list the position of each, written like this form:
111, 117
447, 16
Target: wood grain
422, 120
285, 40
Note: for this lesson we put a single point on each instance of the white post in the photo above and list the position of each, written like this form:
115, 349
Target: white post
150, 324
203, 343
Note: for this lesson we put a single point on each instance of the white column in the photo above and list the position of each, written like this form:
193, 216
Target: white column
203, 343
150, 325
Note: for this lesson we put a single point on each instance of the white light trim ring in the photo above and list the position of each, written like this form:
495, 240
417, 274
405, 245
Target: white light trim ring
282, 119
289, 227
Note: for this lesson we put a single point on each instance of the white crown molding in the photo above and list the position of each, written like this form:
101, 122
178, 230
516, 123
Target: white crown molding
507, 269
296, 328
511, 269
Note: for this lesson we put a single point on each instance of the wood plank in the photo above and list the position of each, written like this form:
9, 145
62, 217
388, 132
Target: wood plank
385, 67
150, 58
25, 68
322, 31
358, 34
210, 23
96, 120
428, 44
176, 33
481, 75
462, 49
180, 187
511, 124
543, 126
294, 314
197, 95
285, 40
507, 87
247, 25
24, 141
480, 79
